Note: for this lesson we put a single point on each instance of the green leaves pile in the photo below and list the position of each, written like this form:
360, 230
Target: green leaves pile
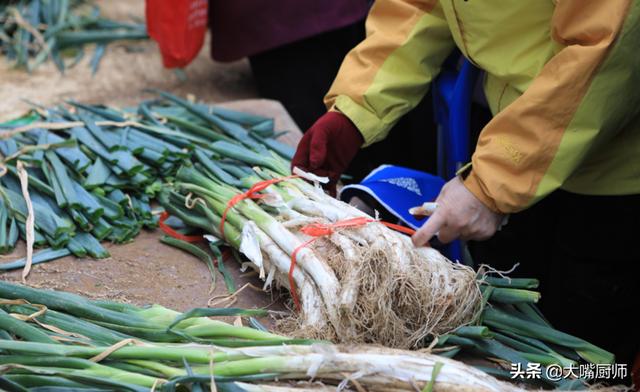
33, 31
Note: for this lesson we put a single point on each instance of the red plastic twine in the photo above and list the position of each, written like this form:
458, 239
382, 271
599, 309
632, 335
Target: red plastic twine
402, 229
252, 193
317, 230
170, 232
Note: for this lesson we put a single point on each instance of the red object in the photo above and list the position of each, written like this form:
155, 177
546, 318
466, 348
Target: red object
317, 230
321, 229
179, 27
402, 229
252, 193
328, 147
170, 232
292, 267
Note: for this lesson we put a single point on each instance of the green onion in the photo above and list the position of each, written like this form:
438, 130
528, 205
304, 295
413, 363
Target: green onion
515, 283
22, 329
63, 29
194, 250
499, 319
513, 296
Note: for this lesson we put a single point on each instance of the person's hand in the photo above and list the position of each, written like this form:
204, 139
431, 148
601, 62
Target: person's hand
328, 147
459, 214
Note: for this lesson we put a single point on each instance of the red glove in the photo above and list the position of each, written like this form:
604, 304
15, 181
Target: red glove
328, 147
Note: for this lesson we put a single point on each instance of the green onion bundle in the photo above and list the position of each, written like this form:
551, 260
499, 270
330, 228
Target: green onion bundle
60, 340
32, 31
512, 329
507, 326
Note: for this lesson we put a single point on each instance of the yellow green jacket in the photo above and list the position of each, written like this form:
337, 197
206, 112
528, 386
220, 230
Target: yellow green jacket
562, 81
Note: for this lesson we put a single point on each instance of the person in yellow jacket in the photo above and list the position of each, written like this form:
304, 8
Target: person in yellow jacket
562, 81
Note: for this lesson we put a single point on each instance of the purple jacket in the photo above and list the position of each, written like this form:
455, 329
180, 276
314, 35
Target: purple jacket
242, 28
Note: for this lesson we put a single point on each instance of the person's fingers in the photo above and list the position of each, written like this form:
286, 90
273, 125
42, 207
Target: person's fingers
428, 230
468, 235
448, 233
318, 149
301, 157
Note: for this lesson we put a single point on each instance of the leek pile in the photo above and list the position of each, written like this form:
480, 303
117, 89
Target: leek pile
98, 168
82, 191
32, 31
93, 171
59, 341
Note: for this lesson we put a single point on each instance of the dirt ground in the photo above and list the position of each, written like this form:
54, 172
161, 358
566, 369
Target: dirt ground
125, 71
144, 271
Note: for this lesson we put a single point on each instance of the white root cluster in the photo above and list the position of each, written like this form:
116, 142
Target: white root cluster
359, 285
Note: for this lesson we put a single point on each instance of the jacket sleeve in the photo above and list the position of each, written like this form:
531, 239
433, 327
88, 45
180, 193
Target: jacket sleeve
388, 73
583, 97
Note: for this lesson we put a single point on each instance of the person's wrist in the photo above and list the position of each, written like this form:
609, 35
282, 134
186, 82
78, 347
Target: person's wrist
473, 185
348, 130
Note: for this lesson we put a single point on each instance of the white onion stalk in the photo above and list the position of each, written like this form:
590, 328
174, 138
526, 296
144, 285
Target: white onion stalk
309, 299
280, 388
250, 247
253, 236
320, 273
378, 369
322, 277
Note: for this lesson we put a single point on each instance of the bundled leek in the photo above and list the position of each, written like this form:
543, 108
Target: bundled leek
364, 283
35, 30
368, 302
60, 340
93, 172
